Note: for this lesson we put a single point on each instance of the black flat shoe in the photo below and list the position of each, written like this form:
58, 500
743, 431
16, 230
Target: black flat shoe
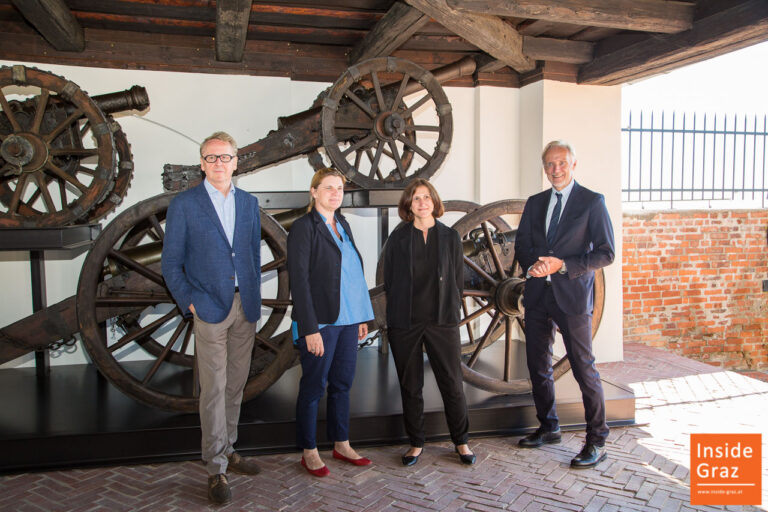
410, 460
468, 458
539, 438
589, 456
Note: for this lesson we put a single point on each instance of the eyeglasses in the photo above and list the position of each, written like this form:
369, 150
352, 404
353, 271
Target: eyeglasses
211, 159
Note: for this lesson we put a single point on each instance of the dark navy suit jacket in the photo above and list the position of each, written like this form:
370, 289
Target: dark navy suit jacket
198, 263
584, 241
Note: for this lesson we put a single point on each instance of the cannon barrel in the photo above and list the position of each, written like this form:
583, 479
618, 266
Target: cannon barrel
135, 98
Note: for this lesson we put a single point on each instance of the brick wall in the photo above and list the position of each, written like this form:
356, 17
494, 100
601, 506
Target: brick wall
693, 284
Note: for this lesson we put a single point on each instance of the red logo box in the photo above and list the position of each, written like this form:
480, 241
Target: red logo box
726, 469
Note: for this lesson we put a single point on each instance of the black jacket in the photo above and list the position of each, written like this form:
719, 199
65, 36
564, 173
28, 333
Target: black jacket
314, 271
396, 261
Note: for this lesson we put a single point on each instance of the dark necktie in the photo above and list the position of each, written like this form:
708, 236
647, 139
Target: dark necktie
552, 231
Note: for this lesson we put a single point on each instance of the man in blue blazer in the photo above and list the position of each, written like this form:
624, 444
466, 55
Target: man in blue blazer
565, 234
211, 265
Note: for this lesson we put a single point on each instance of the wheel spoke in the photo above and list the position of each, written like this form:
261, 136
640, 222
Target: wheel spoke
422, 128
62, 191
358, 157
469, 327
164, 354
508, 349
492, 248
398, 162
74, 116
138, 267
376, 159
78, 152
16, 199
144, 331
158, 228
267, 343
42, 102
377, 89
8, 112
476, 293
414, 147
475, 314
400, 92
474, 266
272, 265
357, 101
484, 339
187, 336
63, 175
409, 111
42, 187
362, 142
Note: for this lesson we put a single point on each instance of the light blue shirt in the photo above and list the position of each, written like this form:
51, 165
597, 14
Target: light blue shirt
225, 209
355, 302
553, 200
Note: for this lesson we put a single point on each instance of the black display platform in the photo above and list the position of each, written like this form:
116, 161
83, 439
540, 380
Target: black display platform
76, 418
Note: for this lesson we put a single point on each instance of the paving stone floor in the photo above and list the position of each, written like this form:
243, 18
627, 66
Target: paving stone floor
647, 467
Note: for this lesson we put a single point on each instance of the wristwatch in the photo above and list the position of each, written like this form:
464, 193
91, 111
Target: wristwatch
563, 269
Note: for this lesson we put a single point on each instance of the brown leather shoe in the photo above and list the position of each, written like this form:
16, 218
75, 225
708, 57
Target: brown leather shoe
218, 489
240, 465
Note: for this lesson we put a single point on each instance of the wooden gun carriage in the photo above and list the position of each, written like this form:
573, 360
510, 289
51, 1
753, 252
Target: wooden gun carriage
383, 123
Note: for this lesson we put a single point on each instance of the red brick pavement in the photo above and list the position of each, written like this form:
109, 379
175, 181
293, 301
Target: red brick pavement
646, 469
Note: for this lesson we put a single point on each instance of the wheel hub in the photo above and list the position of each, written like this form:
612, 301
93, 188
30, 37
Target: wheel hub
25, 151
389, 125
509, 296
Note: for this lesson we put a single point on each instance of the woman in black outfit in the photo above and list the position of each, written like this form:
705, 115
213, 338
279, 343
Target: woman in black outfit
423, 279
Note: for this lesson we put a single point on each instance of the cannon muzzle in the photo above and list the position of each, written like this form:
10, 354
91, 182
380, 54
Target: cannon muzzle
135, 98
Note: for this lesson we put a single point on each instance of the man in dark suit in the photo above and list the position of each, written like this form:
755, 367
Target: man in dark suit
565, 234
211, 265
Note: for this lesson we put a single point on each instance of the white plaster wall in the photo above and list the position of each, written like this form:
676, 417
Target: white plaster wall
589, 117
185, 108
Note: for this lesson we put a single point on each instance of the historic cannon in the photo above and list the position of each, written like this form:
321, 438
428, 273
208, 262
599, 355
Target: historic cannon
369, 131
63, 158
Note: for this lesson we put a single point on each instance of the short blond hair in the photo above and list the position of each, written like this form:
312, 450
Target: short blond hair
223, 137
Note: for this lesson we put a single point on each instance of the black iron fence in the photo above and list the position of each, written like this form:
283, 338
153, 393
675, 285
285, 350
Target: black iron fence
671, 158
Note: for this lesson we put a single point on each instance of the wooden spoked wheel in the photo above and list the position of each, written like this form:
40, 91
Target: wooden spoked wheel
57, 155
385, 122
492, 301
150, 354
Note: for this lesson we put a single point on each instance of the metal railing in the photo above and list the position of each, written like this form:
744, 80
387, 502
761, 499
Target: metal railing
698, 160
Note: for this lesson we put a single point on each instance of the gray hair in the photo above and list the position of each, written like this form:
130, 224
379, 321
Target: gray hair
558, 144
223, 137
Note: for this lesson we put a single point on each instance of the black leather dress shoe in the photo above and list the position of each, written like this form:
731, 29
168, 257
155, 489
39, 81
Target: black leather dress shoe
539, 438
589, 456
466, 458
410, 460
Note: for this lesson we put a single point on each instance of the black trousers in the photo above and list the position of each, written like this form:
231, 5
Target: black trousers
443, 347
540, 322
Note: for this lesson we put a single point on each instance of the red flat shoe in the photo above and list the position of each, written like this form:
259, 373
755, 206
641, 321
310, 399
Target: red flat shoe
319, 472
362, 461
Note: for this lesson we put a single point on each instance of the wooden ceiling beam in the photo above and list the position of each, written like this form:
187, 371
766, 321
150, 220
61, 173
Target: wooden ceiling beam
642, 15
55, 22
558, 50
489, 33
395, 28
232, 17
738, 24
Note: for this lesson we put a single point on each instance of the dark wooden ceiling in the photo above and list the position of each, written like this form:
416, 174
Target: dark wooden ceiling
514, 41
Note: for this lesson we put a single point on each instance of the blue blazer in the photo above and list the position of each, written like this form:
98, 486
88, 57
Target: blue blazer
198, 263
584, 241
314, 271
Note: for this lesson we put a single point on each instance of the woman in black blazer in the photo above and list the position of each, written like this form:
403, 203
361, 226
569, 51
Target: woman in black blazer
423, 280
331, 306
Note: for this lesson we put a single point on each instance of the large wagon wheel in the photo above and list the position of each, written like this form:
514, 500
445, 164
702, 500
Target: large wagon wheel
370, 123
492, 299
57, 156
152, 361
